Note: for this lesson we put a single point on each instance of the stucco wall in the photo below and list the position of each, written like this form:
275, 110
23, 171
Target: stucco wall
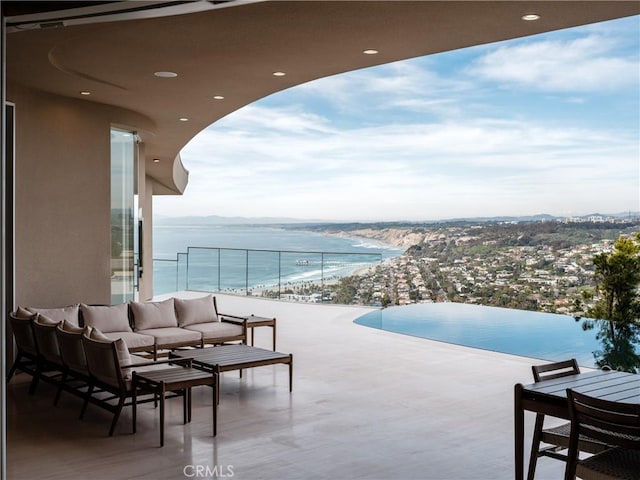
62, 197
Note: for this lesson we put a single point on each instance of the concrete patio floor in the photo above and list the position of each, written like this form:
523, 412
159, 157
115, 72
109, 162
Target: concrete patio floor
366, 404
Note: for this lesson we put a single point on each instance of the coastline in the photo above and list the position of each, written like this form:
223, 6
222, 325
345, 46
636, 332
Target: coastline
401, 238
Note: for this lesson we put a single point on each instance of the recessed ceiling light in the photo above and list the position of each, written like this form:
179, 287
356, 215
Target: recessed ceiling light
156, 160
531, 17
279, 74
85, 93
218, 97
183, 119
370, 51
165, 74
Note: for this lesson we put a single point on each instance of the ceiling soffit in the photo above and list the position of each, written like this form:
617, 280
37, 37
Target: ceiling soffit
234, 51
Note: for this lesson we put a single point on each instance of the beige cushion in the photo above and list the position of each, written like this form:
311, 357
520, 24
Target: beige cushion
69, 327
46, 321
172, 336
154, 314
217, 330
132, 339
123, 352
113, 318
69, 313
195, 310
121, 348
95, 334
24, 314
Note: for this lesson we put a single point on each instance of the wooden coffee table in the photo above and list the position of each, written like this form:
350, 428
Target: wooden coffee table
225, 358
175, 379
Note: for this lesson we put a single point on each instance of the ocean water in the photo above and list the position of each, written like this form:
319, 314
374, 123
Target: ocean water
546, 336
234, 258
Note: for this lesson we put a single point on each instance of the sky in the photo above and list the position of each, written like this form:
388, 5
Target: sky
543, 124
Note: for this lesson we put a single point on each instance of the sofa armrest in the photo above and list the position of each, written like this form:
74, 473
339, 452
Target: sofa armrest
238, 320
242, 321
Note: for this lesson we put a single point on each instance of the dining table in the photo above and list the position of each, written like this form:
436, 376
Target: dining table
549, 397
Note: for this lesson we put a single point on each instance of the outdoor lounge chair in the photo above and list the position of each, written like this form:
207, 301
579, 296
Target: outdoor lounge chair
616, 424
557, 438
49, 357
29, 358
75, 376
110, 369
27, 354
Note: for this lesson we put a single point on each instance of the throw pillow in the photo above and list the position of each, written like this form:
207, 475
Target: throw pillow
196, 310
44, 320
154, 314
70, 313
69, 327
24, 314
113, 318
96, 334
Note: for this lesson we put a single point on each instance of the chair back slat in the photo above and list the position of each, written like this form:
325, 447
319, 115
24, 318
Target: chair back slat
614, 423
550, 371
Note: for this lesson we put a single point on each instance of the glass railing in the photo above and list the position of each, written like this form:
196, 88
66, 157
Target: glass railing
292, 275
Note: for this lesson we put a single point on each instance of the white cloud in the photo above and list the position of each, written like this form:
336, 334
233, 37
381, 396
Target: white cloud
415, 171
584, 64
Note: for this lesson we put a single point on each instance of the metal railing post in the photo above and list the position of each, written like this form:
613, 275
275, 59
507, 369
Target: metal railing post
186, 283
219, 268
322, 277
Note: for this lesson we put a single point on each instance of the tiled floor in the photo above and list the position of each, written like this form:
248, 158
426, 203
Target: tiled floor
366, 404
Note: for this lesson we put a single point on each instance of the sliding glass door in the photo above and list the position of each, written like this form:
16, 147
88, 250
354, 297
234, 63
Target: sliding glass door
125, 241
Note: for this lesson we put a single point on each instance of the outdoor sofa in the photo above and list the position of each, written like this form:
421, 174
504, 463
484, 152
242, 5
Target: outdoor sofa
149, 326
67, 347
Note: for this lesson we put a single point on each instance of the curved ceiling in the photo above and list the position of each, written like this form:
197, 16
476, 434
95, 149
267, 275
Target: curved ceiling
233, 52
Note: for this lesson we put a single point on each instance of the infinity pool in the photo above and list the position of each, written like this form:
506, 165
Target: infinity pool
545, 336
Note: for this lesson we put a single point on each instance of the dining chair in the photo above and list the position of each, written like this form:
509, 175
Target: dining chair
616, 424
555, 438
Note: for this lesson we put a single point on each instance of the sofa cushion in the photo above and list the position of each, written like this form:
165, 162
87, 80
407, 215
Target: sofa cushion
173, 336
96, 334
24, 314
196, 310
70, 313
47, 321
134, 340
154, 315
217, 330
121, 347
69, 327
112, 318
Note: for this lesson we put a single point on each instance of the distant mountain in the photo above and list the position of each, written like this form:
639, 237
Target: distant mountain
219, 220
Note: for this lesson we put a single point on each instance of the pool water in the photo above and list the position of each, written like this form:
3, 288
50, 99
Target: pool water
546, 336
